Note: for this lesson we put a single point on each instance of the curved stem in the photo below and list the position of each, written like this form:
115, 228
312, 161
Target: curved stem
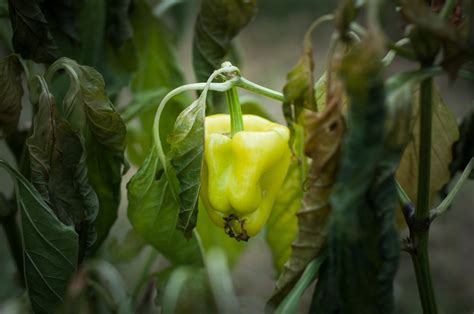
198, 86
390, 56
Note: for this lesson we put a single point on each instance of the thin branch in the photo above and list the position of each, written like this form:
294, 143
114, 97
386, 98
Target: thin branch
446, 203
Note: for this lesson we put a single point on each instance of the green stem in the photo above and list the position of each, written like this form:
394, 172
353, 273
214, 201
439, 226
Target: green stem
236, 121
446, 203
258, 89
420, 230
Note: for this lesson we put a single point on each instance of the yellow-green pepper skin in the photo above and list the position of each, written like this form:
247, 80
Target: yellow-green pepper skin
242, 175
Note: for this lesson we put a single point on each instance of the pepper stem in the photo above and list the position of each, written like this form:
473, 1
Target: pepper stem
236, 121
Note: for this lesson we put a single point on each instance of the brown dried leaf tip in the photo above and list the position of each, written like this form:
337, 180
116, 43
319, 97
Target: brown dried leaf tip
242, 235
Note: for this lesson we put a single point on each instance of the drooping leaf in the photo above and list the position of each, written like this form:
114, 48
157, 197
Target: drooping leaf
88, 109
282, 225
345, 15
50, 248
116, 64
59, 173
362, 238
62, 17
157, 69
299, 88
185, 156
325, 130
444, 134
11, 92
432, 31
153, 213
31, 36
217, 23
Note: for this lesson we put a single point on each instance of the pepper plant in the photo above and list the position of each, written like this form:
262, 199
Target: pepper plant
361, 158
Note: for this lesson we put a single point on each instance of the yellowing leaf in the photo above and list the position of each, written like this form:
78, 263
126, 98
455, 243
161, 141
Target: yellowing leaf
325, 130
444, 134
282, 224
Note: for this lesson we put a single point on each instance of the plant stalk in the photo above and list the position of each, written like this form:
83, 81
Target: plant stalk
420, 228
236, 121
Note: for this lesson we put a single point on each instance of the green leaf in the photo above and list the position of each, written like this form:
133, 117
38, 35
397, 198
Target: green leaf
59, 173
185, 156
88, 108
50, 248
157, 69
116, 64
11, 92
362, 239
62, 17
31, 36
217, 23
444, 134
282, 225
153, 213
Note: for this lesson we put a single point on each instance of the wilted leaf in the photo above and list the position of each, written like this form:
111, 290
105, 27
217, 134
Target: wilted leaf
298, 90
88, 109
362, 238
185, 156
31, 36
11, 92
432, 31
444, 135
62, 17
345, 15
322, 145
153, 213
95, 49
282, 225
50, 248
217, 23
58, 171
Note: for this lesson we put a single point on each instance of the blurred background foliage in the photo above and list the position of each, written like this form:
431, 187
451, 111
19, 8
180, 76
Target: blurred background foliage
268, 47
